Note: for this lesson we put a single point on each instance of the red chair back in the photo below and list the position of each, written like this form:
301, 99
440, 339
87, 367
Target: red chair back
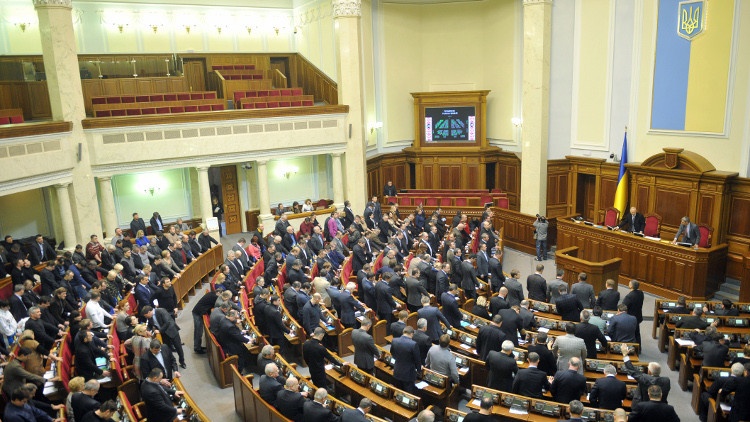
611, 216
706, 235
653, 224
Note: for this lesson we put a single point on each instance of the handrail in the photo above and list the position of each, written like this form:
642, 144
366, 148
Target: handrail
279, 79
196, 272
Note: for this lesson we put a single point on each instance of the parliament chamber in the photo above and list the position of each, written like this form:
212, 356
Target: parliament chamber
246, 121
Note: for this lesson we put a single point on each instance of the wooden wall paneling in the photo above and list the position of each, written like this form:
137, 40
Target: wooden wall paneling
38, 95
177, 84
231, 197
472, 175
705, 209
671, 205
128, 86
158, 86
427, 179
144, 86
110, 87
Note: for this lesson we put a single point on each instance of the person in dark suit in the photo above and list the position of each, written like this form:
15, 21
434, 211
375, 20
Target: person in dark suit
499, 302
233, 342
547, 359
584, 291
434, 317
531, 381
408, 364
275, 326
693, 321
536, 285
634, 301
496, 275
364, 347
480, 308
83, 401
622, 327
41, 251
645, 381
568, 305
632, 222
349, 306
314, 411
289, 401
590, 334
689, 232
737, 370
143, 294
156, 223
422, 339
515, 289
159, 405
361, 256
609, 297
608, 392
414, 291
569, 384
315, 355
450, 306
151, 360
502, 367
715, 351
397, 327
17, 308
490, 337
655, 409
270, 383
469, 281
512, 324
358, 414
385, 302
137, 224
389, 189
483, 264
86, 353
169, 330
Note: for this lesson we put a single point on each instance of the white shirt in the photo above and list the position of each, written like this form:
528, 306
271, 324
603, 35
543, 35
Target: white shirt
8, 324
95, 313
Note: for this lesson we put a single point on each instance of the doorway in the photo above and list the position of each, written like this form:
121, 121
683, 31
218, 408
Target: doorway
231, 195
195, 73
586, 196
282, 65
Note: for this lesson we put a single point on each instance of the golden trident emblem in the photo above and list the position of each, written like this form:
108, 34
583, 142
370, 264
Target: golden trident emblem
689, 21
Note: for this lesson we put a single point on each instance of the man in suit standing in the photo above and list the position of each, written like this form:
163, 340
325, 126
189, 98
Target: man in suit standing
502, 368
584, 291
315, 354
41, 251
537, 285
311, 314
275, 326
422, 339
497, 277
590, 334
609, 297
569, 384
442, 279
553, 287
450, 306
159, 406
358, 414
469, 279
645, 381
364, 347
441, 360
162, 321
483, 262
408, 362
314, 411
568, 305
414, 290
289, 401
499, 302
531, 382
385, 302
655, 409
349, 306
527, 317
689, 232
608, 392
543, 348
512, 324
569, 346
137, 224
434, 317
397, 328
490, 337
515, 289
634, 302
622, 326
159, 356
633, 222
156, 223
361, 255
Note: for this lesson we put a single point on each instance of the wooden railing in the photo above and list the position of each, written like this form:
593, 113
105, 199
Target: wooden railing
315, 81
196, 272
279, 80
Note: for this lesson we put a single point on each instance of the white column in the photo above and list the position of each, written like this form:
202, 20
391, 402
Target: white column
347, 16
204, 193
66, 216
107, 204
338, 180
537, 29
264, 199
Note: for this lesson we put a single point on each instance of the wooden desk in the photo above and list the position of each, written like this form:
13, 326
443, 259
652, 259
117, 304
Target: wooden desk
663, 269
598, 272
385, 407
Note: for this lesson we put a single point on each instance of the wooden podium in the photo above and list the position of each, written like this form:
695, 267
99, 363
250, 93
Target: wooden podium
598, 272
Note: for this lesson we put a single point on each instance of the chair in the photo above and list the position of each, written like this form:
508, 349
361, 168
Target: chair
296, 103
273, 104
134, 112
274, 93
217, 107
404, 200
503, 203
261, 105
246, 76
653, 225
191, 108
285, 104
128, 99
246, 106
445, 202
432, 202
297, 91
486, 199
148, 110
706, 235
611, 217
98, 100
162, 110
156, 97
323, 203
209, 95
257, 76
16, 119
196, 95
114, 100
170, 97
177, 109
183, 96
142, 98
307, 103
119, 112
5, 120
97, 113
204, 107
461, 202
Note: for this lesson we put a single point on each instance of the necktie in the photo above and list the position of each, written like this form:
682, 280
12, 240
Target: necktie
41, 250
687, 230
156, 322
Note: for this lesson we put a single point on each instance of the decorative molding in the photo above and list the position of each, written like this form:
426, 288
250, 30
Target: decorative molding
36, 182
347, 8
53, 3
536, 2
635, 77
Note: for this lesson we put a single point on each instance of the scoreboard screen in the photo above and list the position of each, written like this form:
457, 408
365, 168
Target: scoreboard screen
450, 124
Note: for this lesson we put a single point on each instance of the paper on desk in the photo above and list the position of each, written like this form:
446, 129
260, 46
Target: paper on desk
248, 338
518, 411
726, 408
421, 385
608, 338
543, 330
49, 374
104, 380
464, 346
476, 402
473, 327
684, 342
49, 390
463, 371
329, 366
630, 377
49, 384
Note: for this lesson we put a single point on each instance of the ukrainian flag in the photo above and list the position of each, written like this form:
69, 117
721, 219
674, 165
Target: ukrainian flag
691, 72
621, 194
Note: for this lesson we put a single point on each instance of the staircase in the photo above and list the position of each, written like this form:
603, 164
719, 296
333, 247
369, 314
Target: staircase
730, 289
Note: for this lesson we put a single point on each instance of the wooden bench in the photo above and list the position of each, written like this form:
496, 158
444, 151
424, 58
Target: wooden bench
220, 364
11, 116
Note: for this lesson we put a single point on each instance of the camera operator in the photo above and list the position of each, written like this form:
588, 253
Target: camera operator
540, 234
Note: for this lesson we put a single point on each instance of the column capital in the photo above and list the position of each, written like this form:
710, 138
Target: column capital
347, 8
53, 3
62, 185
337, 154
202, 168
104, 178
534, 2
261, 162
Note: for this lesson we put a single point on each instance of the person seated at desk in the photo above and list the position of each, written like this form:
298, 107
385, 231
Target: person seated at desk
484, 414
480, 308
689, 232
681, 307
726, 308
270, 384
693, 321
314, 411
633, 222
289, 401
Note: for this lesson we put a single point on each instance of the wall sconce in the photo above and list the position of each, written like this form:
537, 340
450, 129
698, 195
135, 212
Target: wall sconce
517, 122
135, 74
187, 28
276, 29
155, 28
151, 190
23, 25
249, 30
296, 28
288, 171
219, 28
375, 126
121, 26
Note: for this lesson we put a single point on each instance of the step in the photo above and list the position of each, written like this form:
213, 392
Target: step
730, 288
723, 295
732, 282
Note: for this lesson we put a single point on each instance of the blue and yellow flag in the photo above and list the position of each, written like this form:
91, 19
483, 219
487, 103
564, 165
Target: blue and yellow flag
621, 194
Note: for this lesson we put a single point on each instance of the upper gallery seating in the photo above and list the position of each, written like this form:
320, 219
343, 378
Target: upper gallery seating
11, 115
